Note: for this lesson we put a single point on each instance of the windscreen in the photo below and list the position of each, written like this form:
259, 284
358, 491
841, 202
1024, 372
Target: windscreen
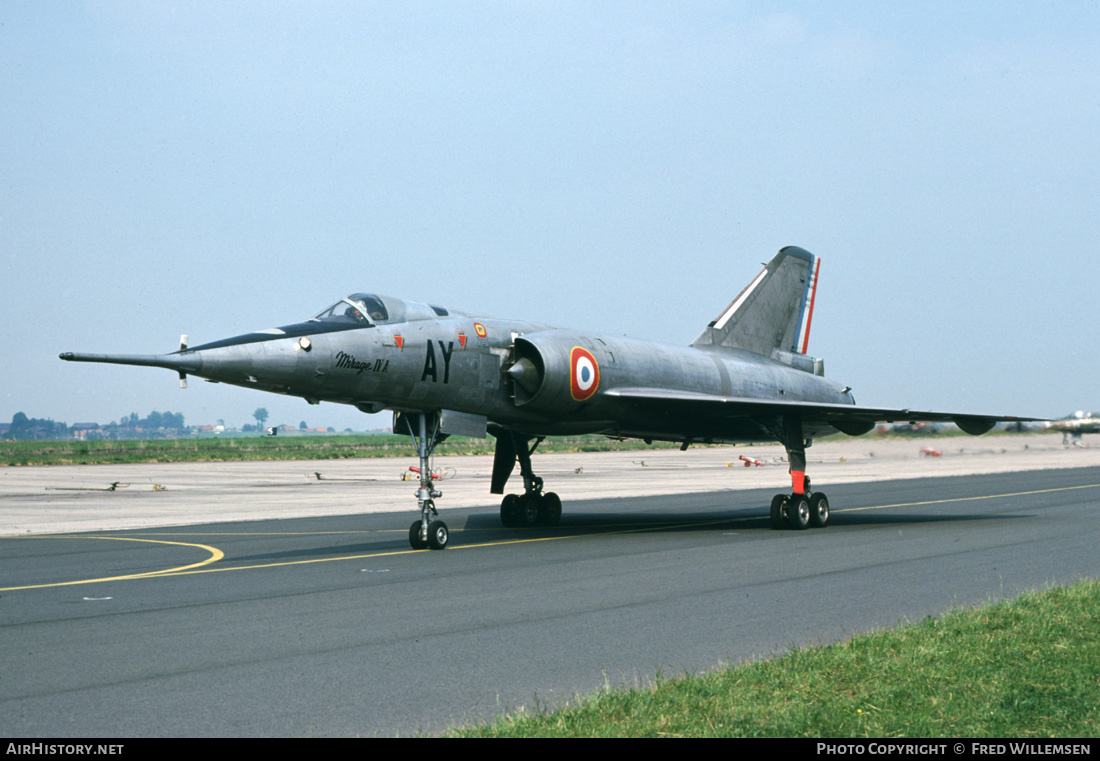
360, 307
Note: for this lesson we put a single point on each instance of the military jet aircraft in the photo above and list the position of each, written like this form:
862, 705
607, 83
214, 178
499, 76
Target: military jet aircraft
1076, 424
745, 378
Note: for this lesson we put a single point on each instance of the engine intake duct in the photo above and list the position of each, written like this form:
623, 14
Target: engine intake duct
527, 372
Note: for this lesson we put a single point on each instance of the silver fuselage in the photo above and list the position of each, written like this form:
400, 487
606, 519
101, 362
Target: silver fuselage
447, 364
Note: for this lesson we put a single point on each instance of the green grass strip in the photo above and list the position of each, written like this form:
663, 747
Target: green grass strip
286, 447
1026, 668
242, 449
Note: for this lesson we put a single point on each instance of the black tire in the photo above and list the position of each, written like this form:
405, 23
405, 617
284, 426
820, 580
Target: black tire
509, 511
414, 537
527, 510
550, 509
779, 511
438, 535
798, 513
819, 510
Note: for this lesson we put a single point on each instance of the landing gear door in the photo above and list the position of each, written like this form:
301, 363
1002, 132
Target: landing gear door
463, 424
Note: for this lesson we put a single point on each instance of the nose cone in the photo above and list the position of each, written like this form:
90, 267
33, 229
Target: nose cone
269, 363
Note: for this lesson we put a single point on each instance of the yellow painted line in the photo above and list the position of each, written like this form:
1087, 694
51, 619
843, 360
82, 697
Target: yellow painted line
282, 564
266, 533
411, 551
215, 555
530, 540
968, 499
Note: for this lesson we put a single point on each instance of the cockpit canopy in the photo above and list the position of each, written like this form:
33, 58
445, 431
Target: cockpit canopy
374, 309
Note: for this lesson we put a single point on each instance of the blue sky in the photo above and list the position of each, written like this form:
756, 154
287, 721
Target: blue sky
212, 168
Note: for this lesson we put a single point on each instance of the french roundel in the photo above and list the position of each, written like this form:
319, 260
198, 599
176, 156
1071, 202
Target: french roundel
584, 374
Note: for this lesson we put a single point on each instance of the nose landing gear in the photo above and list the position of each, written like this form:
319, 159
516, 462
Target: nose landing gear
428, 532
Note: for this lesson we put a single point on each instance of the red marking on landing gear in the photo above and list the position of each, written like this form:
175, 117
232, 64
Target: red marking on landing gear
798, 481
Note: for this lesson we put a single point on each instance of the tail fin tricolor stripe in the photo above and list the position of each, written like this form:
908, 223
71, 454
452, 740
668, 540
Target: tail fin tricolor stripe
806, 310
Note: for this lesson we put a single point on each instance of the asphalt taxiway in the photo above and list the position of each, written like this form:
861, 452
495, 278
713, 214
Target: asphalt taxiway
331, 625
66, 498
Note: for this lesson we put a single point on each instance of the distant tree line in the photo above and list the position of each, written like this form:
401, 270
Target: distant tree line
163, 423
23, 427
154, 420
155, 425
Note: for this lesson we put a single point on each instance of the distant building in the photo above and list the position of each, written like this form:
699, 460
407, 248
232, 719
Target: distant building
81, 430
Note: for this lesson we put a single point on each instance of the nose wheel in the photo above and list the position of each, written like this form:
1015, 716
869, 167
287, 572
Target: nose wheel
437, 537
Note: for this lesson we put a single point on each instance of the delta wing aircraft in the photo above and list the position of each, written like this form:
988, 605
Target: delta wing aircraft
1076, 424
745, 378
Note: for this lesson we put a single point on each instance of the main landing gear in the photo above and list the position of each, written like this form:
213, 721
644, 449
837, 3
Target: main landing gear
530, 509
799, 511
801, 508
428, 532
533, 507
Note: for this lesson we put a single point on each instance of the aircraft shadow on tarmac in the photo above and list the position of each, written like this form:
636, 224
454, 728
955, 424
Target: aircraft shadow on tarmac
485, 528
713, 521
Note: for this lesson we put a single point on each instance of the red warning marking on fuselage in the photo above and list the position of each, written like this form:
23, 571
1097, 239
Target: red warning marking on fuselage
584, 374
397, 339
462, 340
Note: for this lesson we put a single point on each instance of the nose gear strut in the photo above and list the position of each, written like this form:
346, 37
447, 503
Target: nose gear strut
426, 532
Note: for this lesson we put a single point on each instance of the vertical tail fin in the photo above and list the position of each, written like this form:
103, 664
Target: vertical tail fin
774, 311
